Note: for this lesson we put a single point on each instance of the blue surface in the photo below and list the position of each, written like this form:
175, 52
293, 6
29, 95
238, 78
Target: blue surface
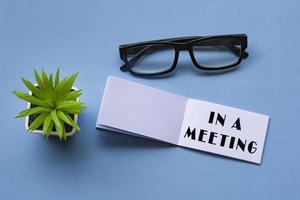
84, 36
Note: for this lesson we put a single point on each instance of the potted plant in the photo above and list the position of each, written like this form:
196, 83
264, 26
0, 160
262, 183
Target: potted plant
52, 105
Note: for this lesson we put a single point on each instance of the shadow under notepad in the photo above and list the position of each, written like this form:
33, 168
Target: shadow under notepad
119, 140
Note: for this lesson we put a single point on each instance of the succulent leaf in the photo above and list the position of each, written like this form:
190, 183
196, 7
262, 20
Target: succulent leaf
57, 77
36, 91
55, 119
32, 99
68, 104
67, 119
71, 111
32, 111
37, 122
71, 95
39, 80
59, 130
51, 80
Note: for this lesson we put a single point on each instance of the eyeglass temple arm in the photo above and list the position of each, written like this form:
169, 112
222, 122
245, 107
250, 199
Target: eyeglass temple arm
140, 54
236, 50
144, 51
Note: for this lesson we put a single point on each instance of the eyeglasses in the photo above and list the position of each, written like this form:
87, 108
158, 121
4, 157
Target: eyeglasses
209, 53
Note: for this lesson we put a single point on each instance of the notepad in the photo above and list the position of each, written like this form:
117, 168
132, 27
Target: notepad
135, 109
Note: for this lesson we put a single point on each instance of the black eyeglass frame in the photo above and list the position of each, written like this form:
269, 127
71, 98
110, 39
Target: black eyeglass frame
186, 43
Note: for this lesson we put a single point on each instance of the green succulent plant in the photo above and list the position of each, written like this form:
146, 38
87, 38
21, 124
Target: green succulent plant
53, 103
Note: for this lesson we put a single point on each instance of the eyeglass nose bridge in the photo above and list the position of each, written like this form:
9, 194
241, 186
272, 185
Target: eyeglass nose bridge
183, 47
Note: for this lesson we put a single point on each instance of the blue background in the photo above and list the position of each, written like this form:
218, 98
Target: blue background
83, 36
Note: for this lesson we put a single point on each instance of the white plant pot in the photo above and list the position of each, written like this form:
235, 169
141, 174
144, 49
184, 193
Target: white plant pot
53, 132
